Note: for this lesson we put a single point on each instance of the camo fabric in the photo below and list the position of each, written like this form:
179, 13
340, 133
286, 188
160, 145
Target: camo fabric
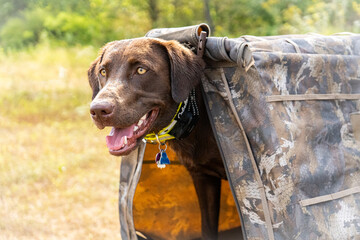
298, 100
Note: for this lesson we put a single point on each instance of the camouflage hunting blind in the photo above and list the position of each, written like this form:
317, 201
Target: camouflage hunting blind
285, 111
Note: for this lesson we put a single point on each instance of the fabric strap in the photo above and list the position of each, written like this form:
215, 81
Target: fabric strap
329, 197
260, 185
310, 97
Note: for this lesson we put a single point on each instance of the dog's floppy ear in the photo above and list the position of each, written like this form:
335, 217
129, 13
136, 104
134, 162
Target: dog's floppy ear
186, 70
93, 78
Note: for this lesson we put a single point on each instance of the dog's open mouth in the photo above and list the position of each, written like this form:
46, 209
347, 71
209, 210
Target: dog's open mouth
122, 141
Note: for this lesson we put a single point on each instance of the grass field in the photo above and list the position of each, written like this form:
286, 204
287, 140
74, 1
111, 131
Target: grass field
57, 180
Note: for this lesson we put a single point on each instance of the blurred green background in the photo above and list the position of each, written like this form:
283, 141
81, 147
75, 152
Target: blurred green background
57, 180
27, 23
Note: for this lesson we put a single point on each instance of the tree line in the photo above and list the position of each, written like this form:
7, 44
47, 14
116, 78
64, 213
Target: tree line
25, 23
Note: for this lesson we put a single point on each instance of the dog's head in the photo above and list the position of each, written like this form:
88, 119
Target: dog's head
137, 85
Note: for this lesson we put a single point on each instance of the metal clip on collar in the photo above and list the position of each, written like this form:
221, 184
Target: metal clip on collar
161, 159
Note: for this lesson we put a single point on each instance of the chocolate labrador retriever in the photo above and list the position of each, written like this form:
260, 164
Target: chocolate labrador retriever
137, 86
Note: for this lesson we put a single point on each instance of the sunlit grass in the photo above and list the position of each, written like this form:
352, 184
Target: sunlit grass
57, 180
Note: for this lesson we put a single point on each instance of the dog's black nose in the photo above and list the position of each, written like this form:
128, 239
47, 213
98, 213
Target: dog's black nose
101, 109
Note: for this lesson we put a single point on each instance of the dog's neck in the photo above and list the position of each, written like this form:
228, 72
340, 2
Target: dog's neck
182, 123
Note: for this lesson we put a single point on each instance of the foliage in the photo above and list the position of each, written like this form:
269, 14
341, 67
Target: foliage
94, 22
23, 31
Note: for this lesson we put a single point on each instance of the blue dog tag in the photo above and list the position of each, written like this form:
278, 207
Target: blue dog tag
164, 158
161, 159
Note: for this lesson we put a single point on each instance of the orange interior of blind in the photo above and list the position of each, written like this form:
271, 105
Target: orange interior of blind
165, 202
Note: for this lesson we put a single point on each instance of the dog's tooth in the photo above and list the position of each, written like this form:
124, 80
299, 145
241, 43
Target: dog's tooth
112, 132
140, 122
125, 140
136, 128
143, 117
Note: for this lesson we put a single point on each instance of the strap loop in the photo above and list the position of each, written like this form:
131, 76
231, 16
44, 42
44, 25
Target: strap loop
201, 44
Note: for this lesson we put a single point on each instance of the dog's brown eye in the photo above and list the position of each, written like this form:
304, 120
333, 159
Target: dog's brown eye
141, 70
103, 72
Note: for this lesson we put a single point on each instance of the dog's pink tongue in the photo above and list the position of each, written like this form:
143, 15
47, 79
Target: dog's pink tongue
116, 138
